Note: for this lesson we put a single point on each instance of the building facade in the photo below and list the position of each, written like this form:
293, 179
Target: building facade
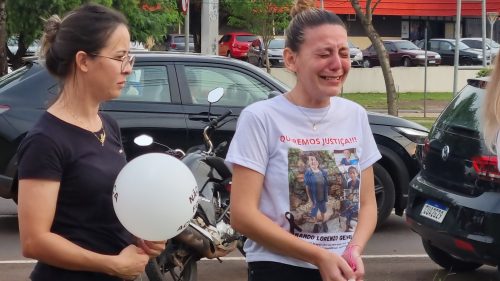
408, 19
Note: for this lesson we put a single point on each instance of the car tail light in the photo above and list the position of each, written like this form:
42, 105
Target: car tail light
173, 45
486, 167
4, 108
426, 148
464, 245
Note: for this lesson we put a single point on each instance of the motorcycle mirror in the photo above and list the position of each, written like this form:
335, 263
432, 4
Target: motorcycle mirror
215, 95
143, 140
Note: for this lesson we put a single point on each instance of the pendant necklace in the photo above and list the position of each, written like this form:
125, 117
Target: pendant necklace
100, 135
314, 124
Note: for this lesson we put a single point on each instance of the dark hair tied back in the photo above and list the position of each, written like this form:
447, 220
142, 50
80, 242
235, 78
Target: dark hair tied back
50, 29
305, 15
301, 5
86, 29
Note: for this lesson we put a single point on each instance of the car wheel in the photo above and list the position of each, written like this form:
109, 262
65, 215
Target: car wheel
384, 193
259, 63
447, 261
366, 63
406, 62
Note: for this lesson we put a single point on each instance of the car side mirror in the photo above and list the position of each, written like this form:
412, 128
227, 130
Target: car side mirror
215, 95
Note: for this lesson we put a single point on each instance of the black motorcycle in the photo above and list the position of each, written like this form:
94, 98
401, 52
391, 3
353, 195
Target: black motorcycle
209, 234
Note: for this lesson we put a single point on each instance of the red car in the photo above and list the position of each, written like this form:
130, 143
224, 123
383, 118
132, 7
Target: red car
236, 44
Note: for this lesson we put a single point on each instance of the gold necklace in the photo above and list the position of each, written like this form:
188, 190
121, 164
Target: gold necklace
100, 135
307, 116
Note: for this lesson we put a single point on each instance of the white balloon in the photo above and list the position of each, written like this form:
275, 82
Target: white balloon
155, 196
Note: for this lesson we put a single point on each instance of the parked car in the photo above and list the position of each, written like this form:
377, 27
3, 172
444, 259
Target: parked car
12, 44
236, 44
446, 48
177, 43
454, 201
492, 47
356, 55
166, 97
256, 53
401, 53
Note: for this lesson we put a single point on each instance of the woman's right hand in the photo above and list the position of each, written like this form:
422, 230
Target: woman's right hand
130, 263
333, 267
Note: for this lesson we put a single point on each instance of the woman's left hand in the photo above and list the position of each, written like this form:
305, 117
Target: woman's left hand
352, 255
152, 248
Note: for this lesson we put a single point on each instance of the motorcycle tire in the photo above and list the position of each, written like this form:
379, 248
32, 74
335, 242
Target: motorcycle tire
155, 272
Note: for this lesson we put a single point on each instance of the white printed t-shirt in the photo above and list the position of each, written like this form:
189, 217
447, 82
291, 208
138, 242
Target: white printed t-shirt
308, 190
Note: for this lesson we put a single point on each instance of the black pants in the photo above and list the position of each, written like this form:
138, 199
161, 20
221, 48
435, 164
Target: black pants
274, 271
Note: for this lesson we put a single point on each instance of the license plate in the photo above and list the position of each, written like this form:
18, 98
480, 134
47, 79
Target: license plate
434, 211
432, 61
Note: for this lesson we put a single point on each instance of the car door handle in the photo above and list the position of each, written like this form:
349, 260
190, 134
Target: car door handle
203, 116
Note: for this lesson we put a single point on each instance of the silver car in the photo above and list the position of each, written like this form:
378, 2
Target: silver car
256, 54
177, 43
356, 55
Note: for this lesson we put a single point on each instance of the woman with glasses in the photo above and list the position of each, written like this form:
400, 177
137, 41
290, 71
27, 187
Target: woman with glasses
70, 159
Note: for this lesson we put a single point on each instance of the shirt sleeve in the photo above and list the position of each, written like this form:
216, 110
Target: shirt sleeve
249, 147
39, 158
371, 154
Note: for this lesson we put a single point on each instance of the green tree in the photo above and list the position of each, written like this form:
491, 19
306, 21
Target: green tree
25, 19
260, 17
365, 15
3, 38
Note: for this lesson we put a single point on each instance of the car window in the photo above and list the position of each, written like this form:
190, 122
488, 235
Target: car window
277, 44
147, 84
445, 46
473, 44
463, 112
240, 89
245, 38
181, 39
434, 45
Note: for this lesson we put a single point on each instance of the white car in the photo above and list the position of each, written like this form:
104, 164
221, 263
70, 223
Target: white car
476, 43
356, 55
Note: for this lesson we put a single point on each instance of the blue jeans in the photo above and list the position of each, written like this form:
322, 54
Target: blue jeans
274, 271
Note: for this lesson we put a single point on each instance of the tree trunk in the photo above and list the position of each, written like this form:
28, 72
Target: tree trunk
3, 38
366, 22
392, 97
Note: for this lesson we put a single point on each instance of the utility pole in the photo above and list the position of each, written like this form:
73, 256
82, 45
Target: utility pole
457, 41
483, 30
209, 27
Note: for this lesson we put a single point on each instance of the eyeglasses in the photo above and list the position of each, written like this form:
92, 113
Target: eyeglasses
126, 59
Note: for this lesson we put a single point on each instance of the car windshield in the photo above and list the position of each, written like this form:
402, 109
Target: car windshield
406, 45
461, 45
277, 44
14, 75
246, 38
180, 39
492, 43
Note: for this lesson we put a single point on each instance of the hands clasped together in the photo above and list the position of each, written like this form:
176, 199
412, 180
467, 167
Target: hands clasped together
348, 267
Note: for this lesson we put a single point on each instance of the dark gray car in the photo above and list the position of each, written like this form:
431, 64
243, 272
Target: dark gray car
454, 202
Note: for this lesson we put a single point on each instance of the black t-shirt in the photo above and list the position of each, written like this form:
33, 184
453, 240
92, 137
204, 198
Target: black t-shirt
87, 170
